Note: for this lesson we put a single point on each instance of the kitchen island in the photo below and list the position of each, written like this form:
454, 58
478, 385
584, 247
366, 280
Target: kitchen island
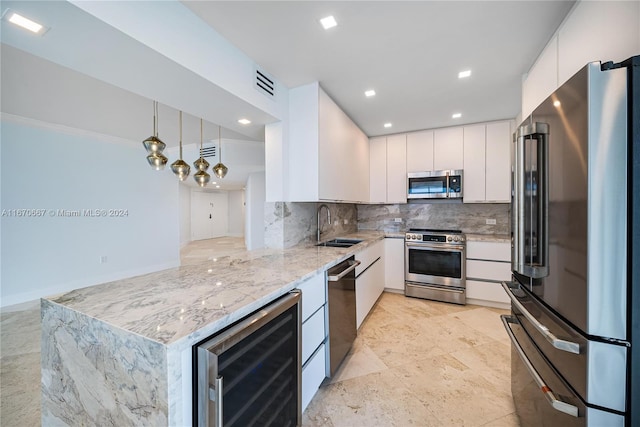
120, 353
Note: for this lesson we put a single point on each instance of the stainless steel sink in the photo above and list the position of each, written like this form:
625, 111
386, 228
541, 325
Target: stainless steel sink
340, 243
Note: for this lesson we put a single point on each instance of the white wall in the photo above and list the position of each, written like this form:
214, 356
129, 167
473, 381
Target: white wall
236, 213
592, 31
52, 168
255, 196
184, 213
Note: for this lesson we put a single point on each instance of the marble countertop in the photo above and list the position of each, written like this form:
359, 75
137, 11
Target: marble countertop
180, 306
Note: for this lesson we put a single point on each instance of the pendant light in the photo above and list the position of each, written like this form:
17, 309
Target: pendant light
220, 169
154, 145
180, 167
201, 177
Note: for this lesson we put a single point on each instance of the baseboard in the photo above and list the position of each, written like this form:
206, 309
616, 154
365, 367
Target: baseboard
492, 304
394, 291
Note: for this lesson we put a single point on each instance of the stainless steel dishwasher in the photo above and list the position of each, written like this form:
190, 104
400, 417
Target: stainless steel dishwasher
341, 289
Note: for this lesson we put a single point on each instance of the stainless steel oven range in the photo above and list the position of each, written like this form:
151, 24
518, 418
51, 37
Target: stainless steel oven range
434, 265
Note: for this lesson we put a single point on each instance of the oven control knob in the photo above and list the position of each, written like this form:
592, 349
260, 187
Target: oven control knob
415, 237
449, 239
456, 239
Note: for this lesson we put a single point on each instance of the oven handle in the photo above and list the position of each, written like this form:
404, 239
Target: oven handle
568, 346
556, 403
427, 246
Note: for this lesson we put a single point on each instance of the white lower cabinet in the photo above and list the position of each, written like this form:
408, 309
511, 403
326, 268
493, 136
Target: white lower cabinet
394, 264
314, 335
369, 279
488, 264
313, 373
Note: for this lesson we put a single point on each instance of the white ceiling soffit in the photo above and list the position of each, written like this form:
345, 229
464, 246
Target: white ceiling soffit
409, 52
81, 42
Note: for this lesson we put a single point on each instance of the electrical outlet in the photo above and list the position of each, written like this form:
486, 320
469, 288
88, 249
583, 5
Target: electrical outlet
397, 220
103, 259
491, 221
346, 221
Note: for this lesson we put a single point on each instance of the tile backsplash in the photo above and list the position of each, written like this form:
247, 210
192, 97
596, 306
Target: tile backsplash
468, 217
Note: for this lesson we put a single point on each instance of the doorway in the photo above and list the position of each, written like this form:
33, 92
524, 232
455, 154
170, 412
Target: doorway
209, 215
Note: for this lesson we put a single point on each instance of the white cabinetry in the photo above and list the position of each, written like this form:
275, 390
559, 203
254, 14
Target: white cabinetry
388, 169
313, 335
487, 264
448, 148
328, 153
420, 151
378, 170
369, 279
394, 264
487, 163
397, 169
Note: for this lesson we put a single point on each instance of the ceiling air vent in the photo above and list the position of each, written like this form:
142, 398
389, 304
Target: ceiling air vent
211, 151
265, 84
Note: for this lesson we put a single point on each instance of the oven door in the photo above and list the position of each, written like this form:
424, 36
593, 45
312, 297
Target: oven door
441, 265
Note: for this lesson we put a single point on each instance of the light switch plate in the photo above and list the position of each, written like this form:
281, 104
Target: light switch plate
491, 221
397, 220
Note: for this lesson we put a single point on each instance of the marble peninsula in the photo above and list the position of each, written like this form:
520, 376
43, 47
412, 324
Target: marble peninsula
119, 353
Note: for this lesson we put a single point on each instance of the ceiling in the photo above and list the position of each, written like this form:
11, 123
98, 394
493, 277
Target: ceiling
409, 52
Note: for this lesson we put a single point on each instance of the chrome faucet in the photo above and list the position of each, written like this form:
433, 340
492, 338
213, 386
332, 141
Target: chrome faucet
328, 218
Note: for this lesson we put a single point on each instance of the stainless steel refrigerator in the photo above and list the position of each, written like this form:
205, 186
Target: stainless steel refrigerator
575, 322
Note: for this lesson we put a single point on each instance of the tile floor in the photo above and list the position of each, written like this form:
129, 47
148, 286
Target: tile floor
415, 362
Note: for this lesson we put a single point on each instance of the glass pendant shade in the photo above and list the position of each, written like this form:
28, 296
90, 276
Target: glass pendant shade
202, 178
157, 160
201, 164
220, 170
153, 144
180, 167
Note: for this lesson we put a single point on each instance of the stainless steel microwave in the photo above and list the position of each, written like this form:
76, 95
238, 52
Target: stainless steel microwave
445, 184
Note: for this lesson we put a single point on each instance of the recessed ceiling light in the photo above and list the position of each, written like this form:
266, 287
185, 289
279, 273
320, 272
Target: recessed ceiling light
456, 115
556, 103
26, 23
388, 125
213, 183
369, 93
244, 121
217, 186
328, 22
463, 74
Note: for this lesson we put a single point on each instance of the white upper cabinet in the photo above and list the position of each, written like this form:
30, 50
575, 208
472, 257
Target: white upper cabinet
378, 169
448, 148
328, 153
420, 151
473, 178
498, 162
487, 163
397, 169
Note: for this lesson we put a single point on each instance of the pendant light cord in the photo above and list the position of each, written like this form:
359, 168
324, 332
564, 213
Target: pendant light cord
200, 138
180, 135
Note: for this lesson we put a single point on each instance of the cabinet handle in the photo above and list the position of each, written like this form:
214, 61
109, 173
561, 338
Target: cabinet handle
556, 403
568, 346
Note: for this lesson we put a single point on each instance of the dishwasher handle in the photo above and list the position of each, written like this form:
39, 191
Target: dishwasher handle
352, 266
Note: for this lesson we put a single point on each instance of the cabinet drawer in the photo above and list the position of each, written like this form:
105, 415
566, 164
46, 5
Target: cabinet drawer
487, 291
494, 251
312, 376
312, 334
488, 270
369, 255
313, 295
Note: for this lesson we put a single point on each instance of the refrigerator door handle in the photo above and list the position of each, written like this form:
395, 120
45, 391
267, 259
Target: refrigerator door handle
537, 186
556, 403
568, 346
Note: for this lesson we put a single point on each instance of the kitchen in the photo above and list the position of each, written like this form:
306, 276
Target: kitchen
279, 175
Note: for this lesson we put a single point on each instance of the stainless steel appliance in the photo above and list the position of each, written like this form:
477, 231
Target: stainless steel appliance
341, 289
575, 303
445, 184
435, 265
250, 373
